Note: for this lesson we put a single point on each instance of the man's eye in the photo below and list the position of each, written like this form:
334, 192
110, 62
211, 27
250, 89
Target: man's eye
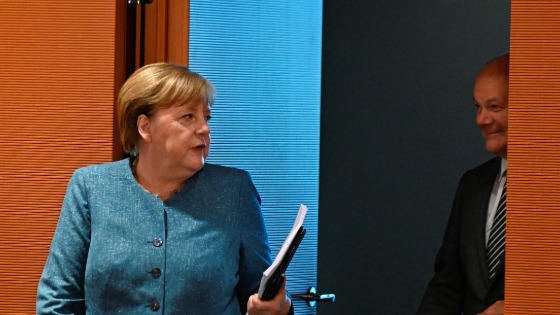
477, 107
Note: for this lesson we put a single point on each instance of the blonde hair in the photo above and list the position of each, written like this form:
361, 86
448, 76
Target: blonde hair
156, 86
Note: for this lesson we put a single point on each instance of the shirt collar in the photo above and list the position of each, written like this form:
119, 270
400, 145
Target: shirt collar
503, 168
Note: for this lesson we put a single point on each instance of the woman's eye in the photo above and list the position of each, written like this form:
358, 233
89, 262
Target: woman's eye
208, 118
187, 116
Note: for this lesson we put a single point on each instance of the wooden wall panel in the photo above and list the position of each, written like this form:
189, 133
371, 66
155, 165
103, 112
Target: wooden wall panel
533, 227
167, 32
57, 86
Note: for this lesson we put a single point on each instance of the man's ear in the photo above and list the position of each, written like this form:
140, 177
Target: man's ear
143, 125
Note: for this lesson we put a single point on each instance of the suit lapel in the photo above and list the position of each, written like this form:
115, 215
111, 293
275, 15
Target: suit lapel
483, 198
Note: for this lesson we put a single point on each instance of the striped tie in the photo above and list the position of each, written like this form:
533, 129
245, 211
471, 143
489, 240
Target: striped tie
497, 239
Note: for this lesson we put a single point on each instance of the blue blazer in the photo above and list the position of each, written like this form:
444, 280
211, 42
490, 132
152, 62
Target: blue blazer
460, 284
120, 250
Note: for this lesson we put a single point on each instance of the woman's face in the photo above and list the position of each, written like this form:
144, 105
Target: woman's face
180, 137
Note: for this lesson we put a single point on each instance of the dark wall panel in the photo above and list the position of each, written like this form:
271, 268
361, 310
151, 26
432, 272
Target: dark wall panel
397, 132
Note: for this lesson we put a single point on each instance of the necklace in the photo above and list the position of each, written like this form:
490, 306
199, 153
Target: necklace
162, 195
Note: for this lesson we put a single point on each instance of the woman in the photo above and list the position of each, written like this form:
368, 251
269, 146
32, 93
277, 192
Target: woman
161, 231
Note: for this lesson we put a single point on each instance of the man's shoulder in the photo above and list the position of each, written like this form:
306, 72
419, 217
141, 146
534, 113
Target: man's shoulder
490, 165
486, 170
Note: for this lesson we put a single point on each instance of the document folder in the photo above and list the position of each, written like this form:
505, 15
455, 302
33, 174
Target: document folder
274, 276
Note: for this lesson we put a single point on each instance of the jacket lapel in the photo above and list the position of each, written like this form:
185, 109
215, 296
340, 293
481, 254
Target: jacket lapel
483, 197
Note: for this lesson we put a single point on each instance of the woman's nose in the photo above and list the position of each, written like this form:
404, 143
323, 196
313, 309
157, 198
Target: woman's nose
203, 128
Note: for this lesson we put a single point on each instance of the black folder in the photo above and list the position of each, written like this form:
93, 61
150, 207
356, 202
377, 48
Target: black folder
275, 279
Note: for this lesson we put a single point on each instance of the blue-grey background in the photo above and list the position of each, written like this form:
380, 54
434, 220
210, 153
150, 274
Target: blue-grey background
264, 58
397, 132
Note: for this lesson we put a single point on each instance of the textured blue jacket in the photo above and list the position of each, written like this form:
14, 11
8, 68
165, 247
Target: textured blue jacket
120, 250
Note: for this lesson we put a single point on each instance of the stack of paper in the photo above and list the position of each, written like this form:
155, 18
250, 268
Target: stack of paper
273, 277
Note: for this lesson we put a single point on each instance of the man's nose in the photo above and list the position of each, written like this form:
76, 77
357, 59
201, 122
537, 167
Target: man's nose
483, 117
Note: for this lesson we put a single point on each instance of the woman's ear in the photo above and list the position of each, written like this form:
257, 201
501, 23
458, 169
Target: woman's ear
143, 125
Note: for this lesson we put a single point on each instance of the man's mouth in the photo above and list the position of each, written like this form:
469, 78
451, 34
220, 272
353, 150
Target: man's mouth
491, 133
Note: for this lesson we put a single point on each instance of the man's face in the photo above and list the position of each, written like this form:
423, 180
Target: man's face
491, 101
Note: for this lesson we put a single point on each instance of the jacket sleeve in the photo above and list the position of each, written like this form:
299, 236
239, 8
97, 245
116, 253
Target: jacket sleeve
254, 252
444, 294
61, 287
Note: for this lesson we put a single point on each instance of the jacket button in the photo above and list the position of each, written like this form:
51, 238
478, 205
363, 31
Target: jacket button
157, 242
154, 305
156, 272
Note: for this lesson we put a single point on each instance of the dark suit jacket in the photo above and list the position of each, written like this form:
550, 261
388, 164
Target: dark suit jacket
460, 284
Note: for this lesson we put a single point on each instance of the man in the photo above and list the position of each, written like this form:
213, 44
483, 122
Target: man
469, 274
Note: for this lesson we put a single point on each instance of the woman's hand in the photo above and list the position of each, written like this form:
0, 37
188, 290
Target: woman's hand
280, 305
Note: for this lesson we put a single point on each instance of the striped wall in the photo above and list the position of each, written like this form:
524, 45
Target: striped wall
57, 79
533, 226
57, 71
